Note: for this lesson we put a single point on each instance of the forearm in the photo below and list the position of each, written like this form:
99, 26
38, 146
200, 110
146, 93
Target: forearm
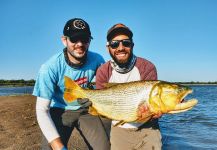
46, 123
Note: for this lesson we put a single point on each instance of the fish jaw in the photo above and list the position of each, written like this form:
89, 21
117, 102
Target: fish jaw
186, 105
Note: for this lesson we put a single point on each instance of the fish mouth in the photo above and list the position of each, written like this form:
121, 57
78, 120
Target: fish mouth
184, 105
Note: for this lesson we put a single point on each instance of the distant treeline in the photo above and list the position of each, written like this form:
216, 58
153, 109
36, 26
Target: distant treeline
192, 82
21, 82
31, 82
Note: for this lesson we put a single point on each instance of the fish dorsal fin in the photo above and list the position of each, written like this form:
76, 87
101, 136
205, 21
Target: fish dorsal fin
107, 85
72, 90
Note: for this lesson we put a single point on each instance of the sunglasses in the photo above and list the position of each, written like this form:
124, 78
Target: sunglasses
115, 43
83, 39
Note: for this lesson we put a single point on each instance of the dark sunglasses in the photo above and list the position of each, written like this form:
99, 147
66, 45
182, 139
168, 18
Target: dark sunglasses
83, 39
115, 43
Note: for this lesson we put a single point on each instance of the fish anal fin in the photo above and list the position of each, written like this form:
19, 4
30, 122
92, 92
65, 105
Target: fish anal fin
119, 123
144, 119
93, 111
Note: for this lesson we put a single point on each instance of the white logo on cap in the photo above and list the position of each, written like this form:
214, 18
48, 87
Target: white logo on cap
79, 24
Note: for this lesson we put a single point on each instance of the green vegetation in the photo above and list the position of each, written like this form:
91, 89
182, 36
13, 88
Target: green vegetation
197, 83
21, 82
31, 82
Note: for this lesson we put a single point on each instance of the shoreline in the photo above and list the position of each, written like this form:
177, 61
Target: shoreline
200, 84
19, 128
184, 83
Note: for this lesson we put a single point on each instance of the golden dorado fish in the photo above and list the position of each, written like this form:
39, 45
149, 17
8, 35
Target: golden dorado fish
123, 100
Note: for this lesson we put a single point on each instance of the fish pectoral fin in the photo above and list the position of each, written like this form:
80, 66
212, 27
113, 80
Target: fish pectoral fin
93, 111
144, 118
119, 123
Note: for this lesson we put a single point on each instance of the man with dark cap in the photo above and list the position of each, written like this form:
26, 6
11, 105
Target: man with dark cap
125, 67
55, 116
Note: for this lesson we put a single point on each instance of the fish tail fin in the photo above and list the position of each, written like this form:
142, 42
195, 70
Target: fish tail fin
72, 90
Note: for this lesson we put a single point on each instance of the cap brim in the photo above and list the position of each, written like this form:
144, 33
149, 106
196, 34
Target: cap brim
117, 31
81, 34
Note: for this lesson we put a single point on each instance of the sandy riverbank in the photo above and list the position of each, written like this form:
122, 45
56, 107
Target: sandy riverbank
19, 128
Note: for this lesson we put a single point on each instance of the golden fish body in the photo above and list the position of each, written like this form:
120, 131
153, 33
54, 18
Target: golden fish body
122, 101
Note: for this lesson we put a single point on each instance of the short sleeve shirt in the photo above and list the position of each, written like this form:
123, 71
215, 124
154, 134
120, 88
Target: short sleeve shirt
50, 80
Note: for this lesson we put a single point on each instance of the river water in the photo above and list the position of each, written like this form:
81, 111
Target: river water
4, 91
195, 129
192, 130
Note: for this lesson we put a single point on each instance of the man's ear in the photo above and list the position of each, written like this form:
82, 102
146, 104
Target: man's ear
107, 48
132, 45
64, 40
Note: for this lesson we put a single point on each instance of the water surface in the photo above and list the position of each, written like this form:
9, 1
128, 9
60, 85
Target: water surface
195, 129
192, 130
4, 90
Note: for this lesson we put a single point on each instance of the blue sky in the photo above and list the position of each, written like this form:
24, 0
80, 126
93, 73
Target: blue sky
178, 36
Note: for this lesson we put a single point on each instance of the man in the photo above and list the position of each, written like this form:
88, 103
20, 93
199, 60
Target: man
56, 117
125, 67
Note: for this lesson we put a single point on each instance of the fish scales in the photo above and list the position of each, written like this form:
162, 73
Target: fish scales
112, 101
126, 101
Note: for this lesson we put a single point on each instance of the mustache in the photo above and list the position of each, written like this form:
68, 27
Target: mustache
120, 51
82, 47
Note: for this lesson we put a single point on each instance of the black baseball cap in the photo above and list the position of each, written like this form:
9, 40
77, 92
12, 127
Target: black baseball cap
76, 27
119, 28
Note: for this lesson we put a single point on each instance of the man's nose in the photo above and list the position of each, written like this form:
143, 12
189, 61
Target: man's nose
80, 43
120, 47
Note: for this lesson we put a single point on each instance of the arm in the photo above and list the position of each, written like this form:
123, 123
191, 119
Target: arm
148, 71
102, 75
152, 74
46, 123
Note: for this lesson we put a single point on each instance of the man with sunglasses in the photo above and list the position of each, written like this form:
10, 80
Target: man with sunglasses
55, 116
125, 67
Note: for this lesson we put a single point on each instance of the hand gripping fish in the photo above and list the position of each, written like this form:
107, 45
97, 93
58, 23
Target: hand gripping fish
123, 100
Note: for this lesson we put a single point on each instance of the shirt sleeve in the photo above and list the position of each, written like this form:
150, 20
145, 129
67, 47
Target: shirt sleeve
152, 74
45, 83
44, 120
101, 78
147, 69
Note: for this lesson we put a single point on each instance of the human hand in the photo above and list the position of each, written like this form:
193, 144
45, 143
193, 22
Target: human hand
158, 115
84, 102
144, 112
64, 148
57, 144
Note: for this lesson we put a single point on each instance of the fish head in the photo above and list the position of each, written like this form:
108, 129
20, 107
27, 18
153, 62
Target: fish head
169, 98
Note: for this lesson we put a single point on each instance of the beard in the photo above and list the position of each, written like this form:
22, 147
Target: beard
122, 62
77, 56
